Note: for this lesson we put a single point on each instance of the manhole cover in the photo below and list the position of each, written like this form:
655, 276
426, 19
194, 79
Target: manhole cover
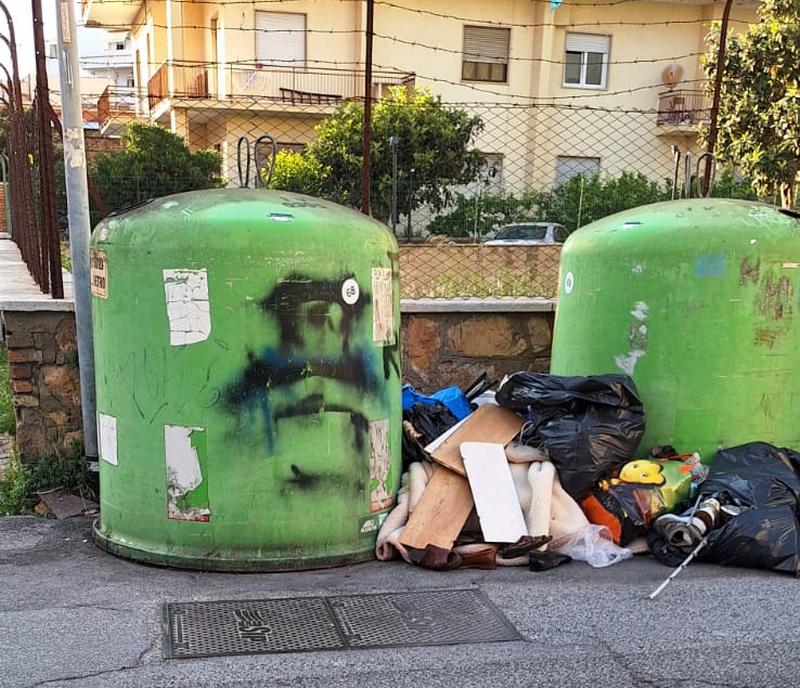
307, 624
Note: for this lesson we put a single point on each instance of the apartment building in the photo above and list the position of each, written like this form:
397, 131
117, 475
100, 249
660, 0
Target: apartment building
590, 86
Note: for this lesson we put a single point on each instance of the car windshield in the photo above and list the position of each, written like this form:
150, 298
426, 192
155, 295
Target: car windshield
522, 233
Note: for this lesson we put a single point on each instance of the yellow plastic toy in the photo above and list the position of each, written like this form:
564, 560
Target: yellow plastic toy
642, 472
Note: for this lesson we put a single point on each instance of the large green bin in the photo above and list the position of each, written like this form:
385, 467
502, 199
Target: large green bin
248, 382
698, 301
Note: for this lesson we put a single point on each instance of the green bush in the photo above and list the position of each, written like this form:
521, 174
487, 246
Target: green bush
19, 484
483, 214
7, 423
296, 172
729, 185
583, 199
153, 163
67, 470
15, 494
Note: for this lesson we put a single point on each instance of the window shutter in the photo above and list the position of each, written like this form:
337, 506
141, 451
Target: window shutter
587, 43
286, 48
486, 44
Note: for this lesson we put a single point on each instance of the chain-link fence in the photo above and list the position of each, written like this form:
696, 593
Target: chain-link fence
448, 176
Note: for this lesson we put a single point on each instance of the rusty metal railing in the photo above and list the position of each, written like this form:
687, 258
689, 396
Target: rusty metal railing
32, 208
682, 108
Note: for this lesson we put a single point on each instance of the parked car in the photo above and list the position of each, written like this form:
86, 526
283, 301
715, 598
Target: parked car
528, 234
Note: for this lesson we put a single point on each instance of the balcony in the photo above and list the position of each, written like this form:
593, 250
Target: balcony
246, 85
681, 112
112, 13
115, 108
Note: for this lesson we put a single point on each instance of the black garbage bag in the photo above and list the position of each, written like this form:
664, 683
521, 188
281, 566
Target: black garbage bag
755, 474
764, 481
428, 422
589, 425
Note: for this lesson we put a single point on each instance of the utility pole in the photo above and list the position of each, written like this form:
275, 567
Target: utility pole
712, 127
51, 246
366, 172
77, 213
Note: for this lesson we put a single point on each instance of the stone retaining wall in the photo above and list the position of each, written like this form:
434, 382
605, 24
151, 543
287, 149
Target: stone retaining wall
43, 367
442, 346
442, 349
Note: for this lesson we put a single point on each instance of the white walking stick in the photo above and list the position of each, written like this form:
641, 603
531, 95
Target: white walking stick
683, 565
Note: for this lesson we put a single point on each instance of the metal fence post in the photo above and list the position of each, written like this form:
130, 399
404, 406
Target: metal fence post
393, 141
77, 213
410, 202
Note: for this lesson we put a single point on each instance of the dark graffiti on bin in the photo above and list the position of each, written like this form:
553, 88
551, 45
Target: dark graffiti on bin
263, 393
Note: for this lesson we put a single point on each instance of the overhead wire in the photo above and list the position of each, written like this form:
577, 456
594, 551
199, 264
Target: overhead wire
427, 46
565, 3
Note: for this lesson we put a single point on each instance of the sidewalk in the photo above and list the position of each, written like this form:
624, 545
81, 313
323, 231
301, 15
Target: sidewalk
74, 616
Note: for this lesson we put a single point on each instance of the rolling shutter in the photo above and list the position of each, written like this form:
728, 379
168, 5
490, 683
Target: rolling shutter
486, 44
286, 48
587, 43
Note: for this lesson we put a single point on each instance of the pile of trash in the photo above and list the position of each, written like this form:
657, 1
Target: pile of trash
546, 471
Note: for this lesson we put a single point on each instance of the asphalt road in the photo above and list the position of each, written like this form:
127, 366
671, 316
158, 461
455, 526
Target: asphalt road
74, 616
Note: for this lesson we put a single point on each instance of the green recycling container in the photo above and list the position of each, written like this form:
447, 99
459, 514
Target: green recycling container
248, 380
697, 300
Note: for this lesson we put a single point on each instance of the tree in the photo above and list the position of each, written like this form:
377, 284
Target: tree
433, 140
759, 116
154, 162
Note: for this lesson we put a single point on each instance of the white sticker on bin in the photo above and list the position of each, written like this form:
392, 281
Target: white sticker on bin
188, 307
107, 438
382, 306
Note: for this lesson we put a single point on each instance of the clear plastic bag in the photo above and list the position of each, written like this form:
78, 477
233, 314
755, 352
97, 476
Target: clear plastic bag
592, 544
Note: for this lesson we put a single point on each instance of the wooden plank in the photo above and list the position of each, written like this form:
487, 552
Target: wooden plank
441, 512
494, 493
490, 423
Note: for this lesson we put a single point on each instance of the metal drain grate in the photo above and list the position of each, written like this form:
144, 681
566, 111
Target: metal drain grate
307, 624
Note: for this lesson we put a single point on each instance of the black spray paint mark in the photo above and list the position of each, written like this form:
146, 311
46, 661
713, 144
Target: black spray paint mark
287, 299
268, 376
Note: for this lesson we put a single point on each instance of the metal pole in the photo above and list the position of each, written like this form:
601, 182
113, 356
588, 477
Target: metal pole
676, 155
366, 172
393, 141
687, 176
77, 213
712, 127
410, 201
51, 246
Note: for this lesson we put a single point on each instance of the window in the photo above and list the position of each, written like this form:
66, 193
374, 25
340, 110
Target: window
281, 39
586, 60
485, 54
568, 167
129, 82
119, 46
534, 232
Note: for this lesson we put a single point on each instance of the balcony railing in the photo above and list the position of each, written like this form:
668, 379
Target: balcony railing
682, 108
291, 85
115, 100
157, 86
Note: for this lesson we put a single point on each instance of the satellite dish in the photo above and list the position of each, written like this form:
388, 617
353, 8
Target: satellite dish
672, 75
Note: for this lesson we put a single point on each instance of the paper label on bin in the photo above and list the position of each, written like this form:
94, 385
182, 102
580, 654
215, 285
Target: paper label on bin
379, 464
107, 438
98, 273
188, 307
382, 306
187, 487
